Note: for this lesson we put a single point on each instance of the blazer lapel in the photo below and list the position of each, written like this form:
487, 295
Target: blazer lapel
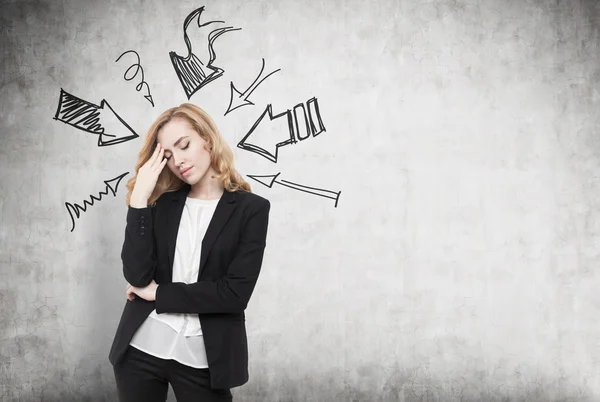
172, 226
222, 213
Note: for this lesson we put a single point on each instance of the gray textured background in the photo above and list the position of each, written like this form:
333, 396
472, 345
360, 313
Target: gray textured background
462, 261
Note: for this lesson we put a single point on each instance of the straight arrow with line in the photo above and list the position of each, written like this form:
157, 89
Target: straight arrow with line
269, 180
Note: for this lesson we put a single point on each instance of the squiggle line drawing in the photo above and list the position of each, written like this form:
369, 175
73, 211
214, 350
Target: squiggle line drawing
92, 119
313, 125
190, 69
242, 98
269, 180
109, 186
139, 68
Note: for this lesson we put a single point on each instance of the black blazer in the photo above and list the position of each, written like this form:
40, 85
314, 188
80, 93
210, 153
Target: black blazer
230, 261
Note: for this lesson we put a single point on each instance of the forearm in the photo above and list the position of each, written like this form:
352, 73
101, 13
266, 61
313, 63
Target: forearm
205, 297
137, 254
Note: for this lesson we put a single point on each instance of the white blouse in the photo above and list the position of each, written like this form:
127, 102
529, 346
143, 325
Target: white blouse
173, 335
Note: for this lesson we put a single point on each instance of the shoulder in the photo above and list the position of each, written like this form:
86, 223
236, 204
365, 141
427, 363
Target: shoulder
253, 209
251, 200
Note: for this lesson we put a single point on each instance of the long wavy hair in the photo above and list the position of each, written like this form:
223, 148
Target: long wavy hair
221, 156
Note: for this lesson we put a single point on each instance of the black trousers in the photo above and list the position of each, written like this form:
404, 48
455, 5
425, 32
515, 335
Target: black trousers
143, 377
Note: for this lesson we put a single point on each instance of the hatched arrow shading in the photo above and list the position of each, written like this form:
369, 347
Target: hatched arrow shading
101, 119
191, 71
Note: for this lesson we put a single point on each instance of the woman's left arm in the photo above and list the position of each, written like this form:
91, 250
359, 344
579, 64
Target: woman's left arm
231, 293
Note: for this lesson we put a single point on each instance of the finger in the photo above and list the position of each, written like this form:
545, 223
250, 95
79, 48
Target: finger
158, 160
152, 158
158, 167
162, 164
130, 295
156, 151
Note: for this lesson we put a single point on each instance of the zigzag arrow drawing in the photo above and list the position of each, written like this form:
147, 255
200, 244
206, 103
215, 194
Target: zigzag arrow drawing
109, 186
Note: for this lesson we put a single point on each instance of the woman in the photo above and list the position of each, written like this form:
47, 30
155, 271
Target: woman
194, 243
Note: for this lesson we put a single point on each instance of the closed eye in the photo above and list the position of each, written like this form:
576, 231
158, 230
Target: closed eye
186, 147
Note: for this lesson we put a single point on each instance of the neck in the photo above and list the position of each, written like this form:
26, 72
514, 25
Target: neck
206, 189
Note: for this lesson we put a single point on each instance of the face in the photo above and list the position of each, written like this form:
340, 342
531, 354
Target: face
186, 152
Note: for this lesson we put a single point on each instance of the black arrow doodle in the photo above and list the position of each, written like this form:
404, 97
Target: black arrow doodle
109, 186
313, 125
190, 70
238, 99
93, 119
138, 68
269, 180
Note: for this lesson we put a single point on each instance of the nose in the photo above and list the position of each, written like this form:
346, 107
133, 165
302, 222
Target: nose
176, 160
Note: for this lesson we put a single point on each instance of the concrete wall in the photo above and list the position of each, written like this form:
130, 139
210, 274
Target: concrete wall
461, 260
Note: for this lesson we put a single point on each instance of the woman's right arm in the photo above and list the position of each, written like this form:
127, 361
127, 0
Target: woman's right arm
138, 253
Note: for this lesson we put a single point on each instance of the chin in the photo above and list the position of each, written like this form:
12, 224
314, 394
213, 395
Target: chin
192, 180
184, 179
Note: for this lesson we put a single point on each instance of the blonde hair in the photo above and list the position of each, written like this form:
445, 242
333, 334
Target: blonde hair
221, 155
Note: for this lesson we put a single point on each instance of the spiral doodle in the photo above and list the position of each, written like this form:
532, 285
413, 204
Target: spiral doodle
138, 68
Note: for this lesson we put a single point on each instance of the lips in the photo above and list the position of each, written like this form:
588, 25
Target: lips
184, 171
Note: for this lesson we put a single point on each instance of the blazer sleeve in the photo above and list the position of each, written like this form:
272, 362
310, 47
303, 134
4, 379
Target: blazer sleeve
231, 293
138, 253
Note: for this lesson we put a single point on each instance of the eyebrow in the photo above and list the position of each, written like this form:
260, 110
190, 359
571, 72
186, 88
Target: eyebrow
178, 141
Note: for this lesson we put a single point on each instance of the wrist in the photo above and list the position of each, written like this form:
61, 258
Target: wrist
137, 201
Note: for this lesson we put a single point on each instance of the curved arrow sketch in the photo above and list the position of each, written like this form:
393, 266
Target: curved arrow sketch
241, 98
109, 186
138, 68
93, 119
270, 179
190, 70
